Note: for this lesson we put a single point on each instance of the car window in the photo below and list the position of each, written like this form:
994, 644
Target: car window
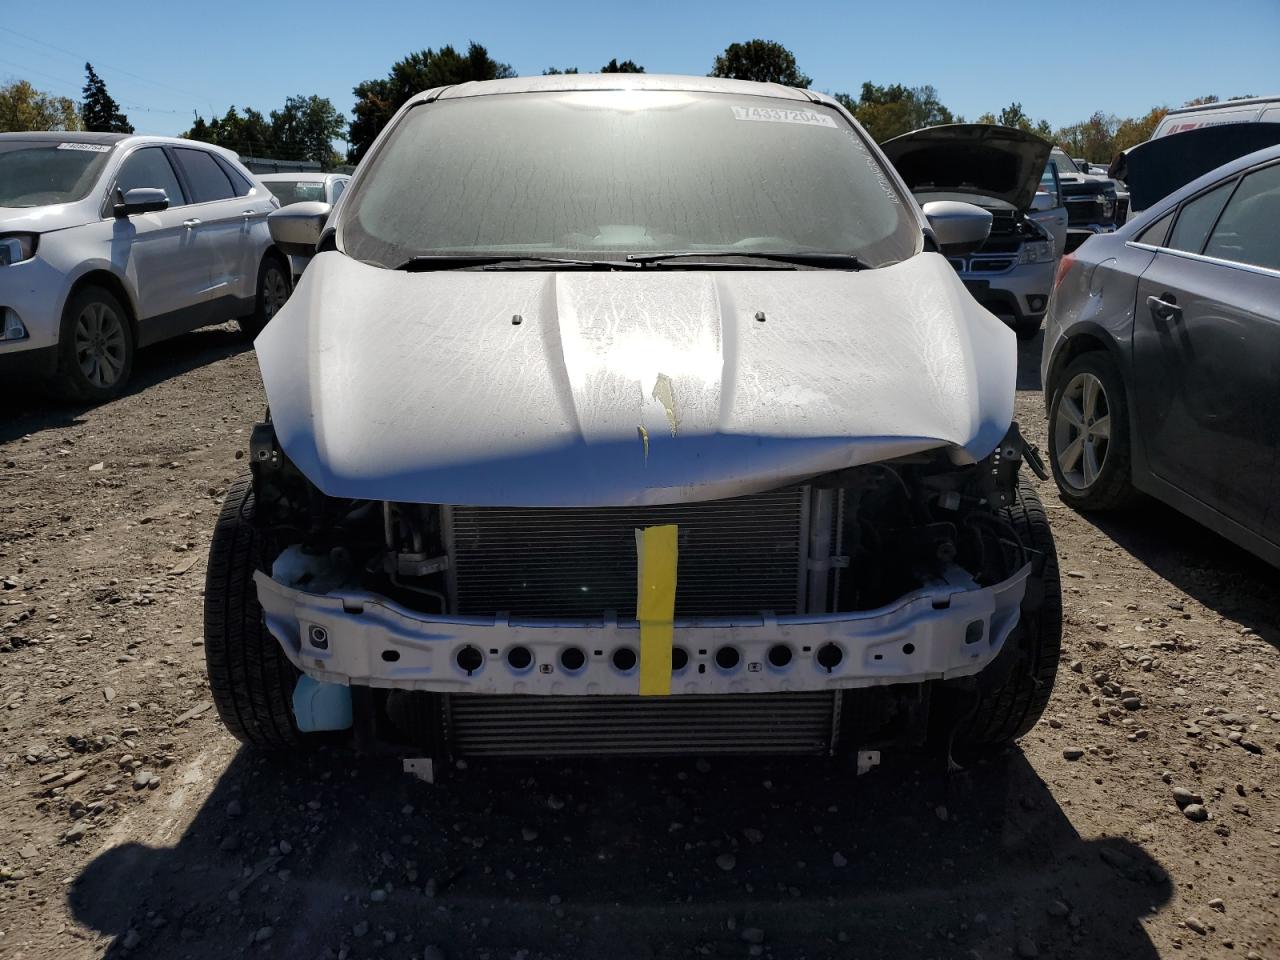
149, 167
1246, 231
1156, 233
1197, 219
239, 182
205, 177
338, 187
1049, 182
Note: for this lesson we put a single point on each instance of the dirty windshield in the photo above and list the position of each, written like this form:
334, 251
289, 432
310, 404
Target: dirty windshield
608, 173
34, 173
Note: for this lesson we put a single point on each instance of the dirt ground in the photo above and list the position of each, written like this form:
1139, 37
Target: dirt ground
134, 825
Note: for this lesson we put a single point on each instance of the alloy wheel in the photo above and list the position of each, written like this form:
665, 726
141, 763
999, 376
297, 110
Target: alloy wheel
275, 291
100, 344
1082, 431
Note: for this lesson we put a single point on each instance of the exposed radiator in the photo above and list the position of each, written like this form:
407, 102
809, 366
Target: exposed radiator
776, 723
736, 557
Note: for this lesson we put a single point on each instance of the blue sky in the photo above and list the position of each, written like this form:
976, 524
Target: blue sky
1062, 60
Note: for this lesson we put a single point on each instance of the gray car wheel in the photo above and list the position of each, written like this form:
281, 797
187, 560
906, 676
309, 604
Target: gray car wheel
1089, 434
274, 287
96, 346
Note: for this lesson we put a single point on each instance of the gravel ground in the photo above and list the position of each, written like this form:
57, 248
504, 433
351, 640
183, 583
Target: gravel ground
1141, 818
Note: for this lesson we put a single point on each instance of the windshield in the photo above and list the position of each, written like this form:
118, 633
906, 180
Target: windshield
34, 173
296, 191
1065, 163
608, 173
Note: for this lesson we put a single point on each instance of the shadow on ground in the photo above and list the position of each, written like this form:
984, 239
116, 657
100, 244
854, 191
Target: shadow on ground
1029, 362
622, 860
1203, 565
30, 408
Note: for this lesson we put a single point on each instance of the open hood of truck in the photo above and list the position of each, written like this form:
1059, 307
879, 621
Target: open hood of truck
625, 387
982, 159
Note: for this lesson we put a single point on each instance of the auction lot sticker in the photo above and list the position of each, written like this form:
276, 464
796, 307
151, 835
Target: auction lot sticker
87, 147
783, 115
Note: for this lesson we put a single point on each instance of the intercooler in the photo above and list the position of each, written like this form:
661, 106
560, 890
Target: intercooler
775, 723
736, 557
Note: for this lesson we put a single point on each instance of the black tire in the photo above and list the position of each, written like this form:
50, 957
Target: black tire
274, 275
1027, 329
1112, 487
251, 679
1014, 689
95, 346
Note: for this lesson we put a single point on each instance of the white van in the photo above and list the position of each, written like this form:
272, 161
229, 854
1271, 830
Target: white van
1251, 110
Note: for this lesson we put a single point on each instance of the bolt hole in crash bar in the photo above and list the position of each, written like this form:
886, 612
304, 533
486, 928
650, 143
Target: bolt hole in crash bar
937, 632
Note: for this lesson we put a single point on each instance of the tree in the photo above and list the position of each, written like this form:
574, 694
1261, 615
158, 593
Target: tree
626, 66
23, 107
887, 112
306, 127
1136, 130
99, 111
249, 135
760, 60
556, 71
1094, 139
377, 100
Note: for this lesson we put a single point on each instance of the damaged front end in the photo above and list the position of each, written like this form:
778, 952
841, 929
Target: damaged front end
824, 612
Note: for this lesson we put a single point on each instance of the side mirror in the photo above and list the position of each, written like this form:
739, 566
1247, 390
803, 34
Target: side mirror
1042, 202
296, 228
140, 200
959, 228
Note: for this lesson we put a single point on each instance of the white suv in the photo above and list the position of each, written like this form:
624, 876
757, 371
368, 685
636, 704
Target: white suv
111, 242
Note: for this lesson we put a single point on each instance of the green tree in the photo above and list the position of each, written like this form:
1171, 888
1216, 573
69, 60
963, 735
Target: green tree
556, 71
626, 66
760, 60
23, 107
1094, 139
377, 100
99, 111
249, 135
889, 111
1136, 130
305, 127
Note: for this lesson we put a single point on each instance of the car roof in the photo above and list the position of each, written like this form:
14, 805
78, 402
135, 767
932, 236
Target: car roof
621, 81
66, 136
81, 136
1224, 105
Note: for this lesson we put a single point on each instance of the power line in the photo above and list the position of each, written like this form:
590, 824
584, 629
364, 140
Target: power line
127, 73
78, 92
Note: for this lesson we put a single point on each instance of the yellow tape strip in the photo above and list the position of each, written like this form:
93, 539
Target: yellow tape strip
656, 606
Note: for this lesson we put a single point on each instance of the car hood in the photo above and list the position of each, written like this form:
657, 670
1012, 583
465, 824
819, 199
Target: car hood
55, 216
625, 387
983, 159
1157, 168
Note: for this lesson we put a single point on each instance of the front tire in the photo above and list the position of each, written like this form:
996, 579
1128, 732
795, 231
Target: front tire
251, 679
1018, 687
1089, 435
95, 346
275, 283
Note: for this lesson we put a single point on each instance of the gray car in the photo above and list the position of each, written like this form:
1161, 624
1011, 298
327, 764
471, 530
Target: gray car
1160, 356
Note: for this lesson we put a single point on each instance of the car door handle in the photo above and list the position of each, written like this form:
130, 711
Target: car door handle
248, 213
193, 222
1165, 307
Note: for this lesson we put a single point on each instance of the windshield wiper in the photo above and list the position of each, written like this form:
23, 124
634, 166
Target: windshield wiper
831, 261
490, 262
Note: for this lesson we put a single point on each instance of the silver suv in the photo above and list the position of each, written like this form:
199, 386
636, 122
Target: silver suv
111, 242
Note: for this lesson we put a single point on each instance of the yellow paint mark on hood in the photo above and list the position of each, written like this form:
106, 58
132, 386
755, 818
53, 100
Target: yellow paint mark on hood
664, 392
